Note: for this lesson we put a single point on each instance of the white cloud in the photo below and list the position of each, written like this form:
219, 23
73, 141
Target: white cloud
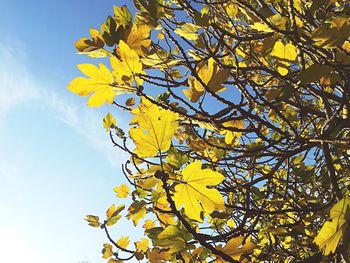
19, 86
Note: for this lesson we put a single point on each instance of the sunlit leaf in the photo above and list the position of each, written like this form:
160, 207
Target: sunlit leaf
122, 15
235, 247
156, 128
332, 231
142, 245
284, 51
122, 191
138, 39
107, 251
123, 242
188, 31
99, 82
194, 193
109, 121
128, 66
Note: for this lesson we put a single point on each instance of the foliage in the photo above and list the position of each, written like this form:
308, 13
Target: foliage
240, 121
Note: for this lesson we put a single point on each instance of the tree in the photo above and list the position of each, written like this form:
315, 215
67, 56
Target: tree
239, 140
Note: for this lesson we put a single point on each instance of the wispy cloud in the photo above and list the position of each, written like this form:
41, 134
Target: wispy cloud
88, 124
18, 85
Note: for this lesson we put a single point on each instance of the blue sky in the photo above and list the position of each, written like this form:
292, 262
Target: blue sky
56, 162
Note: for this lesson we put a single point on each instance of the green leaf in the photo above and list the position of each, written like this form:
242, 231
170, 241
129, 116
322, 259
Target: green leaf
176, 158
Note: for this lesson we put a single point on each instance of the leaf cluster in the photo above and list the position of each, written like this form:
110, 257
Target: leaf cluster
239, 128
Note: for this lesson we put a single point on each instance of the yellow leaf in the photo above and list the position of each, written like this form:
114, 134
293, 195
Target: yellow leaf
277, 20
122, 190
156, 128
107, 251
172, 238
99, 82
194, 193
235, 247
142, 246
259, 26
161, 36
188, 31
230, 223
109, 121
128, 66
156, 255
231, 9
192, 94
284, 52
346, 46
123, 242
159, 59
332, 231
298, 5
211, 76
148, 224
298, 22
112, 214
136, 211
282, 70
230, 135
110, 211
167, 219
138, 38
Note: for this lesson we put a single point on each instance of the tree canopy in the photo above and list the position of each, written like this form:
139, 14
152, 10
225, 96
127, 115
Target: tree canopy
239, 128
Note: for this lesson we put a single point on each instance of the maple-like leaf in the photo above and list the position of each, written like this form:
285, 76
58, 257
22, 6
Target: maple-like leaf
142, 245
99, 82
138, 38
156, 128
122, 191
332, 231
193, 193
235, 247
128, 66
